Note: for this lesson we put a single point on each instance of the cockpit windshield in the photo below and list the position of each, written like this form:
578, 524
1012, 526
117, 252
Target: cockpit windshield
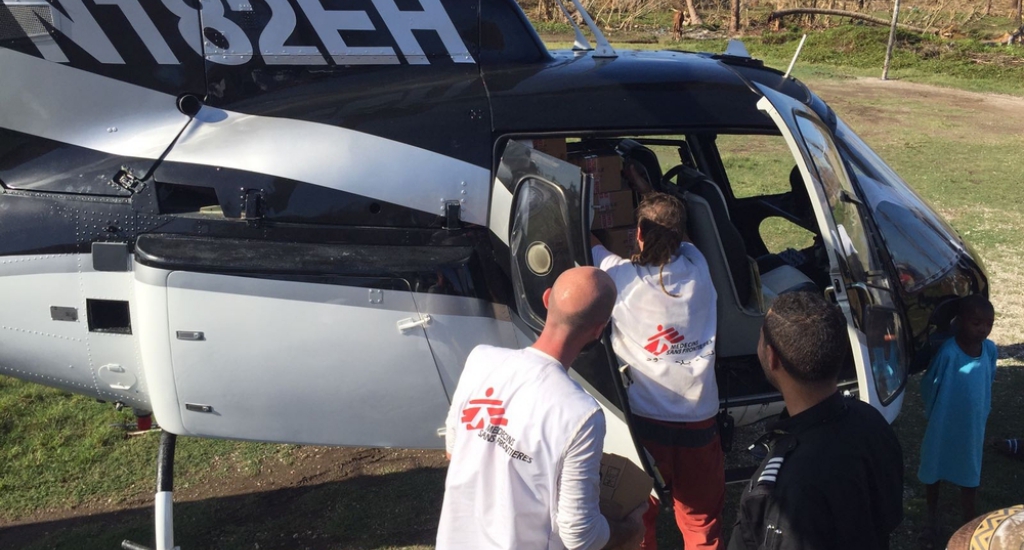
923, 247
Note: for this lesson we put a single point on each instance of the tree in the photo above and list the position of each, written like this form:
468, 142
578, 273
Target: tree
734, 23
544, 10
777, 16
892, 39
694, 18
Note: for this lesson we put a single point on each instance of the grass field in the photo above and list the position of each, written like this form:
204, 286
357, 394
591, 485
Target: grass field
66, 474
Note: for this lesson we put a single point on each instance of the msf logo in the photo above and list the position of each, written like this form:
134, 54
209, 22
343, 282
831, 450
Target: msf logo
663, 340
473, 415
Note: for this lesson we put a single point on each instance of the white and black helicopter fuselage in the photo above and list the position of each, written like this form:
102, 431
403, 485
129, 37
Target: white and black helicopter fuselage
238, 215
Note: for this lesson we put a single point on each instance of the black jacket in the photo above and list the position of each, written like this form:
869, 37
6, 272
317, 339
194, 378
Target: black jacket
833, 479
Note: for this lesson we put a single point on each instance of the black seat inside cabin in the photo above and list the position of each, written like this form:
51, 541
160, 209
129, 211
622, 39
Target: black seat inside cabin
631, 150
694, 181
733, 246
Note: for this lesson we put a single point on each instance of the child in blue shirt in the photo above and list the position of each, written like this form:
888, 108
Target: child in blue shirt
957, 393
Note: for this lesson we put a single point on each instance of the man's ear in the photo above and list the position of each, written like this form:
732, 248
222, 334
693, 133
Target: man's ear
774, 362
547, 295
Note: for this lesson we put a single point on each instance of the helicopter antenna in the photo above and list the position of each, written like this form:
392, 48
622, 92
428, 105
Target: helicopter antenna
604, 49
581, 41
796, 55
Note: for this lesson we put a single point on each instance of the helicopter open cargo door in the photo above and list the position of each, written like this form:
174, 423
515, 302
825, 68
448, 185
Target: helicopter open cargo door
547, 212
860, 282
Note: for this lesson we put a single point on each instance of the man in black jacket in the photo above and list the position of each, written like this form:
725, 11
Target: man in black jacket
833, 475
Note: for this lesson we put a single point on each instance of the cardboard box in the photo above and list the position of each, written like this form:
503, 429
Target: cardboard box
614, 209
621, 241
607, 171
551, 146
624, 486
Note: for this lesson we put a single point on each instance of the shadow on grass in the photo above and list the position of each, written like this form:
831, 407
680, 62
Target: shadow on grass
1012, 351
391, 510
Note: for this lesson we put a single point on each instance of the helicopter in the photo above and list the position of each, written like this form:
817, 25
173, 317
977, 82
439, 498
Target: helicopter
234, 215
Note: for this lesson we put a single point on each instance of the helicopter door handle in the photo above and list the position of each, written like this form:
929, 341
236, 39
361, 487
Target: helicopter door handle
862, 289
830, 295
410, 323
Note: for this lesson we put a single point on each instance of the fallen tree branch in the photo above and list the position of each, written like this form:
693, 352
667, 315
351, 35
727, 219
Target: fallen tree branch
779, 14
1015, 36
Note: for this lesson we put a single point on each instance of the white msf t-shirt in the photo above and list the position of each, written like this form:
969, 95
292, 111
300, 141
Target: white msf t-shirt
668, 342
526, 445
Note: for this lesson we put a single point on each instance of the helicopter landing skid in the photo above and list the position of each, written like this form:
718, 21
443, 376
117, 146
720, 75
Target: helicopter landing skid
163, 502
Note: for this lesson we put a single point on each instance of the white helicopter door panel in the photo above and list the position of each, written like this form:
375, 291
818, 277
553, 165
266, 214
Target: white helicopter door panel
299, 362
548, 221
858, 283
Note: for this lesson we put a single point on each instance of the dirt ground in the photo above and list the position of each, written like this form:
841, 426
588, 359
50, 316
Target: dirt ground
241, 499
280, 484
1002, 114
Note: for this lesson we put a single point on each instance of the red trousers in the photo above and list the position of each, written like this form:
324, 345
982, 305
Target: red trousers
696, 477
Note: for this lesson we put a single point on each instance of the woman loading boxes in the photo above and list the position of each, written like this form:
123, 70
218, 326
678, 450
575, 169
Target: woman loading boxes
663, 327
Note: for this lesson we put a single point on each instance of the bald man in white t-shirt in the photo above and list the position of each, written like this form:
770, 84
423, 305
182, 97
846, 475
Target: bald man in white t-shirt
525, 441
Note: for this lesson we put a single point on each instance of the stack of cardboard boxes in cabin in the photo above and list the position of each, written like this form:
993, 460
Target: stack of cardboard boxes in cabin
614, 210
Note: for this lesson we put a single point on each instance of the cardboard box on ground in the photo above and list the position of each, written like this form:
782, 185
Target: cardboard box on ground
624, 486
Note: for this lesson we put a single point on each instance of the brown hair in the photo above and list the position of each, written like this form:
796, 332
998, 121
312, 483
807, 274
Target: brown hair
661, 221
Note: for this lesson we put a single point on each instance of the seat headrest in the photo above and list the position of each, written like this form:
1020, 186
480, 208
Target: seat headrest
632, 150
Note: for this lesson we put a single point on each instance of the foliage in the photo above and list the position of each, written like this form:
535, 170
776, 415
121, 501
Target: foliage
859, 50
951, 16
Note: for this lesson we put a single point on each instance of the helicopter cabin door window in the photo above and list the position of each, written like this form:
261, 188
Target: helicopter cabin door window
859, 283
870, 290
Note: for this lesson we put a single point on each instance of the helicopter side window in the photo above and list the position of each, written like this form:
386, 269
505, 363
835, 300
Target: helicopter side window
841, 196
541, 245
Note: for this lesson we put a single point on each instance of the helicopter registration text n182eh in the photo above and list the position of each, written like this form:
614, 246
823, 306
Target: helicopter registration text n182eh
237, 214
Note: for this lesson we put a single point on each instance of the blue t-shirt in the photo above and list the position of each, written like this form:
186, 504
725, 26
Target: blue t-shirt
957, 393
